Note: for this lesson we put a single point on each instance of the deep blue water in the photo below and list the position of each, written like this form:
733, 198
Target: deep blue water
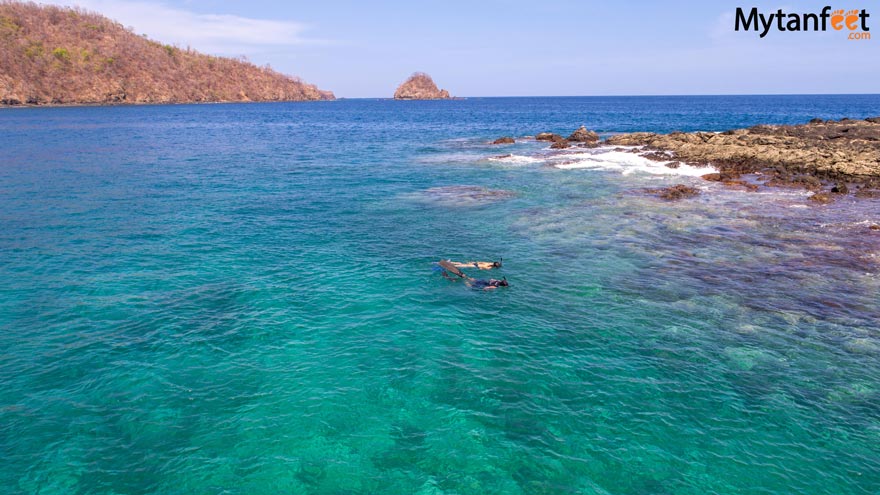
241, 299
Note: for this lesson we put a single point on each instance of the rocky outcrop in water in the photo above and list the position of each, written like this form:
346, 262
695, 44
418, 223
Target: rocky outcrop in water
504, 140
462, 195
582, 135
676, 192
549, 136
845, 150
830, 158
822, 198
420, 86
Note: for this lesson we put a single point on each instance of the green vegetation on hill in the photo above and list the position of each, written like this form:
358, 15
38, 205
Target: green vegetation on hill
57, 55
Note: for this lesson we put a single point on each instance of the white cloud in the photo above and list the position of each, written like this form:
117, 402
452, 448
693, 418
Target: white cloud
213, 33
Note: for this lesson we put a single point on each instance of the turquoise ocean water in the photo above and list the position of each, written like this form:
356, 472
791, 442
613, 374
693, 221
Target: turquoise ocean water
240, 299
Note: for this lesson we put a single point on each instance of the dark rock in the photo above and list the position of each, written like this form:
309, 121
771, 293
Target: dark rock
873, 120
560, 145
673, 164
868, 193
840, 188
740, 184
549, 136
676, 192
807, 182
874, 227
504, 140
657, 156
721, 176
462, 195
823, 198
582, 135
311, 473
817, 121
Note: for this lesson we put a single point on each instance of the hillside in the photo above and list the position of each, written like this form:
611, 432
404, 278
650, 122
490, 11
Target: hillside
420, 86
56, 55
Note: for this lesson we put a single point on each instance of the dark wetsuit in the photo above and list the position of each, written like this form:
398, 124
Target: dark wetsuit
482, 284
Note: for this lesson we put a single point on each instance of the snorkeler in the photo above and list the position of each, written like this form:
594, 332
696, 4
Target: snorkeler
482, 265
490, 284
475, 283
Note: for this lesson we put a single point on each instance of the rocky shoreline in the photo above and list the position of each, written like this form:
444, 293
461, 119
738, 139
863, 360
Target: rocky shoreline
830, 158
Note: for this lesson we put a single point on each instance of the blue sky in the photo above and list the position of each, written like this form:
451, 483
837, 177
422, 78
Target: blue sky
512, 48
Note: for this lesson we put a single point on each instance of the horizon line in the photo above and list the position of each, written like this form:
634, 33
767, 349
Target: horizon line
612, 96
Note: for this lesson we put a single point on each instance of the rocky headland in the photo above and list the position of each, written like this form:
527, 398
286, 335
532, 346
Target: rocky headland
68, 56
845, 149
420, 86
830, 158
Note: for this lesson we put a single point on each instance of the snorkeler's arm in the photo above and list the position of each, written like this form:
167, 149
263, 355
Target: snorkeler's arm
482, 265
486, 265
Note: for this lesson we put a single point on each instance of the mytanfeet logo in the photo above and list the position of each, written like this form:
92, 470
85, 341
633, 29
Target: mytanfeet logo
854, 21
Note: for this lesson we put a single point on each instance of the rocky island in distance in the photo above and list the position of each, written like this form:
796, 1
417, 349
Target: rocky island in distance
420, 86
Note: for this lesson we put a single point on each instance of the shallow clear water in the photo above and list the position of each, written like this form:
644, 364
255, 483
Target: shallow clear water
241, 299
